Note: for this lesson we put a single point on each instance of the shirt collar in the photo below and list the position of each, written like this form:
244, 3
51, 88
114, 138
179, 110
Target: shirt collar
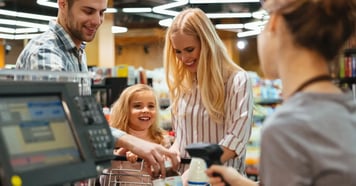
64, 36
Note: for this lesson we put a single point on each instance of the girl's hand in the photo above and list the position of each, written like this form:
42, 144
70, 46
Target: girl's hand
131, 157
120, 152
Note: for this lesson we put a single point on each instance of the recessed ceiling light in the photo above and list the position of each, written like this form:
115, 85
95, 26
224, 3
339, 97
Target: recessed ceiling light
55, 5
118, 29
137, 10
229, 15
241, 44
229, 26
222, 1
248, 33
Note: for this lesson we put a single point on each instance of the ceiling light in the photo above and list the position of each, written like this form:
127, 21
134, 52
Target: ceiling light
256, 25
228, 15
241, 44
41, 27
25, 36
137, 10
248, 33
19, 33
55, 5
26, 15
118, 29
222, 1
261, 14
229, 26
8, 12
110, 10
162, 9
18, 30
35, 16
18, 37
47, 3
166, 22
7, 36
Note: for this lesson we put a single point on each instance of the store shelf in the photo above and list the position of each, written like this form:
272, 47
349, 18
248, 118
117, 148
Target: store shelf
348, 80
259, 118
349, 51
269, 101
164, 103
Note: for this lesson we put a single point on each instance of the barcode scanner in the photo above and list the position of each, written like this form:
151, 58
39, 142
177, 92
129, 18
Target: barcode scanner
211, 153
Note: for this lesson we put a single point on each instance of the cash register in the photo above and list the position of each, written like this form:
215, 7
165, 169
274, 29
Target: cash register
50, 135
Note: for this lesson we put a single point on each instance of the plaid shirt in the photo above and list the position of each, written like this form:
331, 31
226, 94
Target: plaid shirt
54, 50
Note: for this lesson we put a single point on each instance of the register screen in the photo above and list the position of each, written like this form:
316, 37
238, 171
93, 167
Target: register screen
36, 132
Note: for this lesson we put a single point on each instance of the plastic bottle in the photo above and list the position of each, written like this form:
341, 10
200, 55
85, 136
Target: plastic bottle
196, 174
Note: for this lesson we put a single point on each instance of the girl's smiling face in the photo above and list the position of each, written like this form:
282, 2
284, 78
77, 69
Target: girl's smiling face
142, 110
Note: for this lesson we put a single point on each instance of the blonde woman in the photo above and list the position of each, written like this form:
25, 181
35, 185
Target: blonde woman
211, 95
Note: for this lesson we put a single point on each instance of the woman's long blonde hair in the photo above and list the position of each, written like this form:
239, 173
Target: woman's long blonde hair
120, 112
214, 67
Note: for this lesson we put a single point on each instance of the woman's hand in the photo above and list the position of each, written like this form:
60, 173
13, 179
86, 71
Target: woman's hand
229, 174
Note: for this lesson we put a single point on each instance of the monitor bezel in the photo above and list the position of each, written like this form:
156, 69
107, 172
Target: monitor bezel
54, 174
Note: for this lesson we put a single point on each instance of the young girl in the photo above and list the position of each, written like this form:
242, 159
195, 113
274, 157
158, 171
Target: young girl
136, 112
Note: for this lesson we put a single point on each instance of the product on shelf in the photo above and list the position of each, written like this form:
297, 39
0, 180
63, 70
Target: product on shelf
346, 68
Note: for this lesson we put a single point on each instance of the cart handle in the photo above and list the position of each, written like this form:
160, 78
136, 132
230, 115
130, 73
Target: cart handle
123, 158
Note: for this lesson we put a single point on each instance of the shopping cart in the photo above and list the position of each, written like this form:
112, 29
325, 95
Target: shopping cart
119, 175
125, 173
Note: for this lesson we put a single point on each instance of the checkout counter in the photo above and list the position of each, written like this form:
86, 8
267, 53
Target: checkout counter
50, 134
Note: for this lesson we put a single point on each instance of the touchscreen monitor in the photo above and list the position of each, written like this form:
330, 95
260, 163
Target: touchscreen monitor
36, 132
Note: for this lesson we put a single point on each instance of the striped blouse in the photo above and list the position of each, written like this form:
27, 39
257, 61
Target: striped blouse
192, 123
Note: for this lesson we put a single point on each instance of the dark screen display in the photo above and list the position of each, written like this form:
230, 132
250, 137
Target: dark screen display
36, 132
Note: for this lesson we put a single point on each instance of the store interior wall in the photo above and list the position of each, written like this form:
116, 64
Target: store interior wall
146, 50
2, 53
249, 56
16, 48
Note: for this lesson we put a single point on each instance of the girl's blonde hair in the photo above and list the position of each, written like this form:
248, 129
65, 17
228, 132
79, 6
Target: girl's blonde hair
120, 112
214, 66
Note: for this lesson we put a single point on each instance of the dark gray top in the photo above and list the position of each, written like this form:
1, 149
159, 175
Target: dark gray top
310, 140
